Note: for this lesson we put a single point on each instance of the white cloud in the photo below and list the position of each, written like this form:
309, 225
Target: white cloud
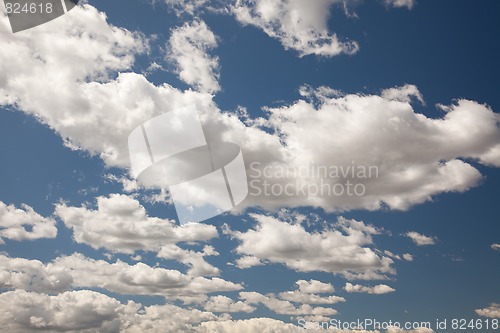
121, 224
307, 293
249, 326
166, 318
284, 307
378, 289
492, 311
314, 287
298, 25
400, 3
33, 275
247, 262
420, 239
343, 250
403, 94
186, 6
78, 271
70, 311
225, 304
78, 100
188, 49
422, 156
407, 257
495, 246
88, 311
24, 224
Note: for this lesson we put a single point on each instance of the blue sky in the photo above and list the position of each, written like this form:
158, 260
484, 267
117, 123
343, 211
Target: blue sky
417, 99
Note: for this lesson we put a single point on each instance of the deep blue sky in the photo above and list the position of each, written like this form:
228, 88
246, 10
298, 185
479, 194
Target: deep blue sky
448, 49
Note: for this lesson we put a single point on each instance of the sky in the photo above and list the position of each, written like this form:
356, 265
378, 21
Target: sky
407, 89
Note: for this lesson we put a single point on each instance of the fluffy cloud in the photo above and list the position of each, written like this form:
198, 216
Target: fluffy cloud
493, 311
298, 25
24, 224
89, 311
81, 311
284, 307
121, 224
403, 94
225, 304
88, 98
422, 156
78, 271
307, 293
420, 239
394, 156
495, 246
188, 49
343, 250
314, 287
378, 289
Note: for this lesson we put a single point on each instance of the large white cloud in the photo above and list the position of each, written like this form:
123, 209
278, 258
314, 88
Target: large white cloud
121, 224
24, 224
76, 100
416, 157
78, 271
89, 311
82, 311
188, 49
378, 148
298, 25
343, 249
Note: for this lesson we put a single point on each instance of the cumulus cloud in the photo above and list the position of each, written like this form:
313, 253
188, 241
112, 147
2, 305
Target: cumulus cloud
492, 311
121, 224
81, 311
314, 287
284, 307
298, 25
225, 304
89, 311
420, 239
88, 98
422, 157
495, 246
188, 49
344, 250
24, 224
307, 293
378, 289
376, 147
78, 271
247, 262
